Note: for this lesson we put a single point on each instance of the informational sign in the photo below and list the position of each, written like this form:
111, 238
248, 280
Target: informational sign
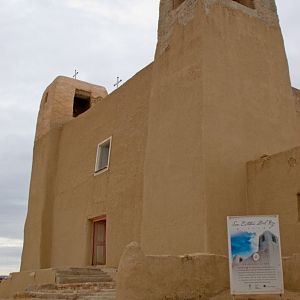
255, 255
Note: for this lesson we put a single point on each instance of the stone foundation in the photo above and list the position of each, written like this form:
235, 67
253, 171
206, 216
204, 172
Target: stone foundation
19, 281
143, 277
189, 277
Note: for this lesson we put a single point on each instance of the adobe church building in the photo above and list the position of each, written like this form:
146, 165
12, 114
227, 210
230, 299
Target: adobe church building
141, 181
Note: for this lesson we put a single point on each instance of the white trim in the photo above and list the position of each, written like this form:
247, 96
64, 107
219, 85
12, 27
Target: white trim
97, 172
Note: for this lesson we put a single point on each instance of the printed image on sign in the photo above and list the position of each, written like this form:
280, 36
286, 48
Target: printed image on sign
254, 255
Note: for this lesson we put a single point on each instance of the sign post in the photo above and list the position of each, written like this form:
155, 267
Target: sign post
254, 255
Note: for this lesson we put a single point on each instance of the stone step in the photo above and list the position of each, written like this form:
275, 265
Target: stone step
80, 271
79, 292
41, 295
67, 296
85, 298
82, 278
99, 298
75, 286
110, 296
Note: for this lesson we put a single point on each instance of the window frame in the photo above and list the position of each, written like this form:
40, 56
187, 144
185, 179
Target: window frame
97, 170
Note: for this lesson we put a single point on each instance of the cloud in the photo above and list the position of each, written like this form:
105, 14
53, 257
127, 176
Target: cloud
10, 255
135, 12
10, 258
10, 243
288, 15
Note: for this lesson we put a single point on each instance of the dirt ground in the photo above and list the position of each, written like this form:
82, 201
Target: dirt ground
288, 295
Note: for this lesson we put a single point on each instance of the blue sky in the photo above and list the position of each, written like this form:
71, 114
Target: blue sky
43, 39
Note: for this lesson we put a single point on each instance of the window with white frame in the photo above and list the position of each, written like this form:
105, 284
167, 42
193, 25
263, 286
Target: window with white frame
103, 154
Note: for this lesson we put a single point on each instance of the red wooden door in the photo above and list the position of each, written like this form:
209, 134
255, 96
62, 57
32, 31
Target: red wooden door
99, 242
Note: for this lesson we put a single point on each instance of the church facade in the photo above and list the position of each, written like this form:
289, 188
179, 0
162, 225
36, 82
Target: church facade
210, 129
180, 135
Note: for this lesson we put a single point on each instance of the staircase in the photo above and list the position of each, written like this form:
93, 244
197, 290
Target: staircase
76, 284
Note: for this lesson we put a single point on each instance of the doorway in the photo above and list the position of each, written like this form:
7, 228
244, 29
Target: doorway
99, 242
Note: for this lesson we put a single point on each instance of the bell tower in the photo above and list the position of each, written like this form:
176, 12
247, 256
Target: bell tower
64, 100
221, 96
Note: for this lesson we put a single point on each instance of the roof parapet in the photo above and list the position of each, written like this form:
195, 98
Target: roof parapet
183, 11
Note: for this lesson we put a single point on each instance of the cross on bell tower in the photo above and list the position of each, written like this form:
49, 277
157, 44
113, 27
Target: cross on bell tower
118, 82
75, 75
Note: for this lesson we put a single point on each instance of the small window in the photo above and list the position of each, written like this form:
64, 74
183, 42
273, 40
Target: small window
82, 102
177, 3
103, 154
248, 3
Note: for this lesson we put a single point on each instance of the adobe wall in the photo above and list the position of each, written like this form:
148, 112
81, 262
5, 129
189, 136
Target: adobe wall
37, 230
221, 97
194, 277
19, 281
248, 110
296, 94
56, 109
273, 185
65, 195
174, 189
116, 193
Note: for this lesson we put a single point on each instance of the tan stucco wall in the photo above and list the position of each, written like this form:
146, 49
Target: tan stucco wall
56, 106
196, 276
174, 216
116, 193
64, 192
273, 185
221, 97
56, 109
248, 109
18, 282
37, 232
296, 93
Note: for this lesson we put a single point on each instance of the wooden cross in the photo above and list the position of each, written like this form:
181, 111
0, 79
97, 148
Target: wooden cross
118, 82
75, 75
